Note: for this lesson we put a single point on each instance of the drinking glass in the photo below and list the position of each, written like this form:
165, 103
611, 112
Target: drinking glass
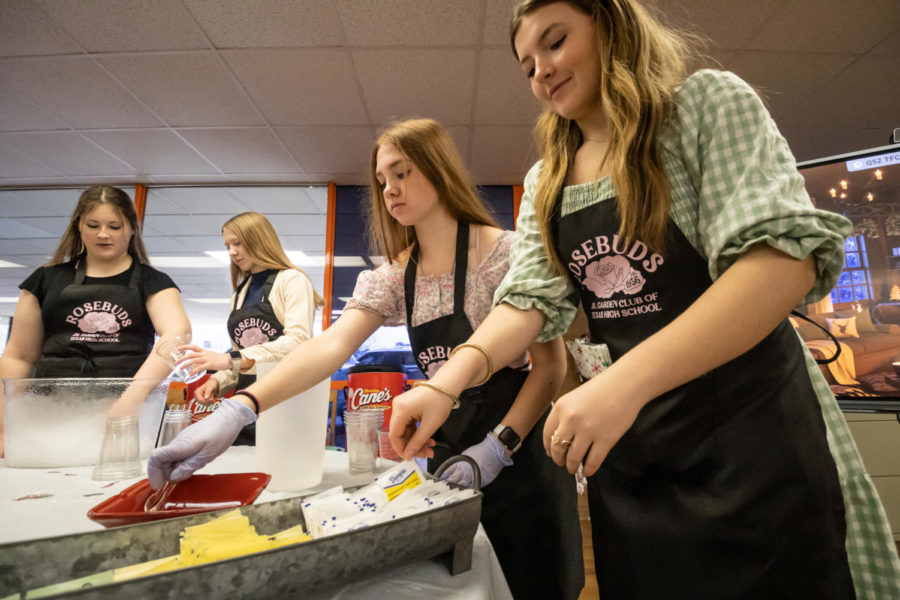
168, 349
120, 454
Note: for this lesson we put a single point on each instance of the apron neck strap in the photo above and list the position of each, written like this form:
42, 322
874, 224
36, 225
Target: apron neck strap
81, 271
459, 275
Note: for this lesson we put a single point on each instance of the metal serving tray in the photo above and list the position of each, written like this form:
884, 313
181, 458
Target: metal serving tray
307, 567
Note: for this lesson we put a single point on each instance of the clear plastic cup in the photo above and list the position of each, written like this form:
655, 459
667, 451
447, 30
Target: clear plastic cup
362, 427
167, 349
385, 449
120, 454
174, 420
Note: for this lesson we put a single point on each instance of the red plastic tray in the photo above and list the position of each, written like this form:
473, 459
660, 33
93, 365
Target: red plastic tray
198, 494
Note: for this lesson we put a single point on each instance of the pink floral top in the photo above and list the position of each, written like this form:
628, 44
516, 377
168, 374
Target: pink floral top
381, 290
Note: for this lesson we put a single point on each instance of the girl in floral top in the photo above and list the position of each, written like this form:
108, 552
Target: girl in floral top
444, 257
719, 464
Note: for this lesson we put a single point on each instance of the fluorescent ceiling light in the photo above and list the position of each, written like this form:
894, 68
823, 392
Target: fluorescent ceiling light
210, 300
8, 299
298, 257
6, 264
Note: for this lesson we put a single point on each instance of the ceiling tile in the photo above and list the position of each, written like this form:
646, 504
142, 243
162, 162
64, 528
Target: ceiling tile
889, 45
241, 150
185, 89
504, 94
277, 200
66, 152
189, 224
22, 228
786, 79
34, 203
827, 26
497, 16
312, 245
10, 248
324, 149
206, 201
864, 95
724, 25
163, 179
76, 91
152, 151
502, 155
399, 84
127, 25
14, 165
26, 30
20, 114
410, 22
810, 143
242, 24
301, 87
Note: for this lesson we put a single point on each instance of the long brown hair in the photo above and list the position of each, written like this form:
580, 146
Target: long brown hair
260, 241
431, 149
70, 245
641, 62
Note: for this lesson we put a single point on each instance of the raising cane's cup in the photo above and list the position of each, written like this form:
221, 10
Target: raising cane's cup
374, 386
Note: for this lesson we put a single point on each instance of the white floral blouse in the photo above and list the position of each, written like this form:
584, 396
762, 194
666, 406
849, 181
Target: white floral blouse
381, 290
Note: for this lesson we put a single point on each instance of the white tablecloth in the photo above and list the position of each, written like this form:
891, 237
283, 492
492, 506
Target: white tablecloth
72, 493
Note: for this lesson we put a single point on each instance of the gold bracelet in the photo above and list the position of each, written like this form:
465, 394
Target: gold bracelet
438, 388
487, 357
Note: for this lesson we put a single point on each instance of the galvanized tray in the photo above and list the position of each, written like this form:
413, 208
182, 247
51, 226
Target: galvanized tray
307, 567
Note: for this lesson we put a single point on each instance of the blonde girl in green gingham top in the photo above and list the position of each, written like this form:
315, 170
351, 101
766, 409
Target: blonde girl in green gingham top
734, 189
734, 215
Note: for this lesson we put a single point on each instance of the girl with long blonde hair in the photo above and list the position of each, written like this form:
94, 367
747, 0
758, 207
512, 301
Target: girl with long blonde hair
272, 310
718, 462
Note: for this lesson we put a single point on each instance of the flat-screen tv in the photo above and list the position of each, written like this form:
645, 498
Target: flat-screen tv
863, 309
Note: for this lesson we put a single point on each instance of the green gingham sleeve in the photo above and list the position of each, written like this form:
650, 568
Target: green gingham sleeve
747, 181
531, 281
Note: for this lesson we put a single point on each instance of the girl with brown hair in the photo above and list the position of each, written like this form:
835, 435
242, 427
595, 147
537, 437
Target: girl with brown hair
94, 309
443, 258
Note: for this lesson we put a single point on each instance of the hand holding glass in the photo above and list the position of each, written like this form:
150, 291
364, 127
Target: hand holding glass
170, 351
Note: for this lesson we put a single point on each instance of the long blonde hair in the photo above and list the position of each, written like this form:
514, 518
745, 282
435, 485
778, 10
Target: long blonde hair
71, 246
641, 62
263, 248
431, 149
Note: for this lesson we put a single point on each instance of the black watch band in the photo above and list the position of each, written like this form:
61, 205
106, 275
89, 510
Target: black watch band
508, 437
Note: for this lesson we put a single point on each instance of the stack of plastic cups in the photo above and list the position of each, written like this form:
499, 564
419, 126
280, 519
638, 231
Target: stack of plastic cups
362, 438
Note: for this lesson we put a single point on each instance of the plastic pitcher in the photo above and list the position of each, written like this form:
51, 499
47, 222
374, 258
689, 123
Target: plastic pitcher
290, 437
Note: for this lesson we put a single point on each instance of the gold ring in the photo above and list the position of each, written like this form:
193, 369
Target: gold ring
558, 440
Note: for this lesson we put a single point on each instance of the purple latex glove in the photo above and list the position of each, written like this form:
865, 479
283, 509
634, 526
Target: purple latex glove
199, 444
489, 454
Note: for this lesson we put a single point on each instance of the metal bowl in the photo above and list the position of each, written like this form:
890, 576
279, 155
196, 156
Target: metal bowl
60, 422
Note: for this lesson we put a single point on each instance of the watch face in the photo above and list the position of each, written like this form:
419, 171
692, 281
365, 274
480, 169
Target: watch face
509, 438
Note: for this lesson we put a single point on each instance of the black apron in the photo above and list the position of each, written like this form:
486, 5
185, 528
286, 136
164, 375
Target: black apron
95, 329
251, 326
529, 511
724, 487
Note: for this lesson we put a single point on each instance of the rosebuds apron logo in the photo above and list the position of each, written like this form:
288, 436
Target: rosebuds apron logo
254, 331
98, 321
606, 269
